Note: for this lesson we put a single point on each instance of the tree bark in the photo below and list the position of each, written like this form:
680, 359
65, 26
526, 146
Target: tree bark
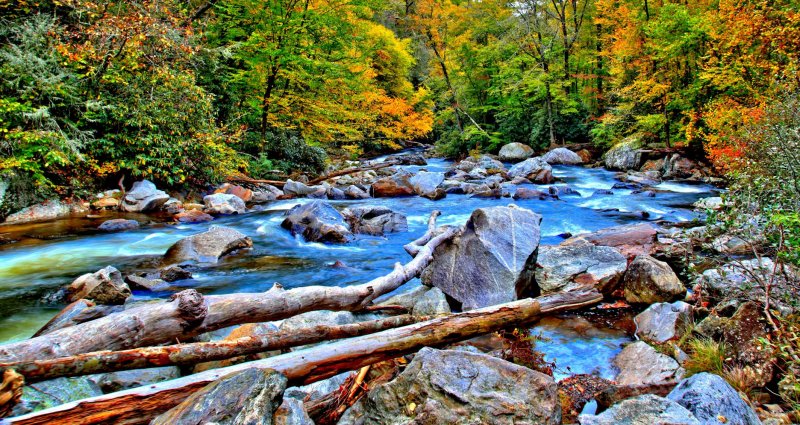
140, 405
188, 313
190, 354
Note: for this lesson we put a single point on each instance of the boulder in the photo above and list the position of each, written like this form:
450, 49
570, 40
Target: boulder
742, 334
679, 167
562, 156
247, 397
645, 409
172, 206
48, 210
374, 220
533, 169
174, 273
118, 225
623, 156
527, 193
231, 189
711, 203
630, 239
459, 387
515, 152
106, 204
713, 401
732, 245
640, 364
490, 165
317, 221
43, 395
127, 379
662, 322
145, 283
143, 197
224, 204
296, 188
192, 216
353, 192
265, 193
646, 178
649, 281
315, 318
317, 390
585, 155
407, 159
335, 193
561, 268
432, 303
481, 190
563, 190
291, 412
104, 286
491, 260
207, 247
426, 184
397, 184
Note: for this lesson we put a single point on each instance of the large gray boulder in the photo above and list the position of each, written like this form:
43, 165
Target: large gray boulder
249, 397
354, 192
291, 412
317, 221
639, 364
143, 197
426, 184
48, 210
515, 152
662, 322
649, 281
491, 260
561, 268
104, 286
535, 169
713, 401
224, 204
296, 188
118, 225
458, 387
398, 184
645, 409
562, 156
623, 156
207, 247
375, 220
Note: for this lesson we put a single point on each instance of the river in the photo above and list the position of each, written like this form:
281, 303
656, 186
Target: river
50, 255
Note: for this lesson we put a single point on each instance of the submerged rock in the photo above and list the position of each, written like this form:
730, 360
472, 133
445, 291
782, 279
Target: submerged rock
207, 247
104, 286
143, 197
713, 401
224, 204
649, 281
118, 225
533, 169
317, 221
247, 397
192, 216
562, 156
515, 152
639, 364
562, 268
662, 322
459, 387
374, 220
491, 261
645, 409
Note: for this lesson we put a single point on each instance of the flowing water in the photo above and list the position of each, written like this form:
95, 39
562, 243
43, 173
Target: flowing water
47, 256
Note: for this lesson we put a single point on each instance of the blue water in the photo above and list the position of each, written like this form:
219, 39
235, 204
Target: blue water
29, 272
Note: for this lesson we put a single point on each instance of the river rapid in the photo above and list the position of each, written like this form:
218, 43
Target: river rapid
50, 255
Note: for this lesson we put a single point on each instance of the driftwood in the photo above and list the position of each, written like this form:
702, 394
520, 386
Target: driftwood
188, 313
140, 405
77, 312
10, 391
189, 354
320, 179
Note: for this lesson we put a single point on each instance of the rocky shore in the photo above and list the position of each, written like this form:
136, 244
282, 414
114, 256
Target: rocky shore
686, 294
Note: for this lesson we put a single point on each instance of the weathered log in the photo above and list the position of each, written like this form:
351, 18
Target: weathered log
139, 405
10, 391
188, 314
189, 354
320, 179
75, 313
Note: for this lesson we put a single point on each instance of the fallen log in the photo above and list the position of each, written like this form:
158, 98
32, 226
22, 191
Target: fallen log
140, 405
188, 313
190, 354
320, 179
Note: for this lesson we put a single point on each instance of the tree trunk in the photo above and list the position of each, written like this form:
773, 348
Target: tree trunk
188, 314
190, 354
140, 405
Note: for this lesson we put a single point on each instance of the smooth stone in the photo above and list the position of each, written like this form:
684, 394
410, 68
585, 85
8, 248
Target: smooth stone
649, 281
104, 286
207, 247
535, 169
515, 152
224, 204
562, 156
640, 364
374, 220
645, 409
118, 225
561, 268
713, 401
317, 221
143, 197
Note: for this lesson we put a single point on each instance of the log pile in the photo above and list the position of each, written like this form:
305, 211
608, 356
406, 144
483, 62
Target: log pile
136, 338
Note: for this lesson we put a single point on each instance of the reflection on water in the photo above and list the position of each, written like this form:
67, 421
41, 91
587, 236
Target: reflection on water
39, 265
